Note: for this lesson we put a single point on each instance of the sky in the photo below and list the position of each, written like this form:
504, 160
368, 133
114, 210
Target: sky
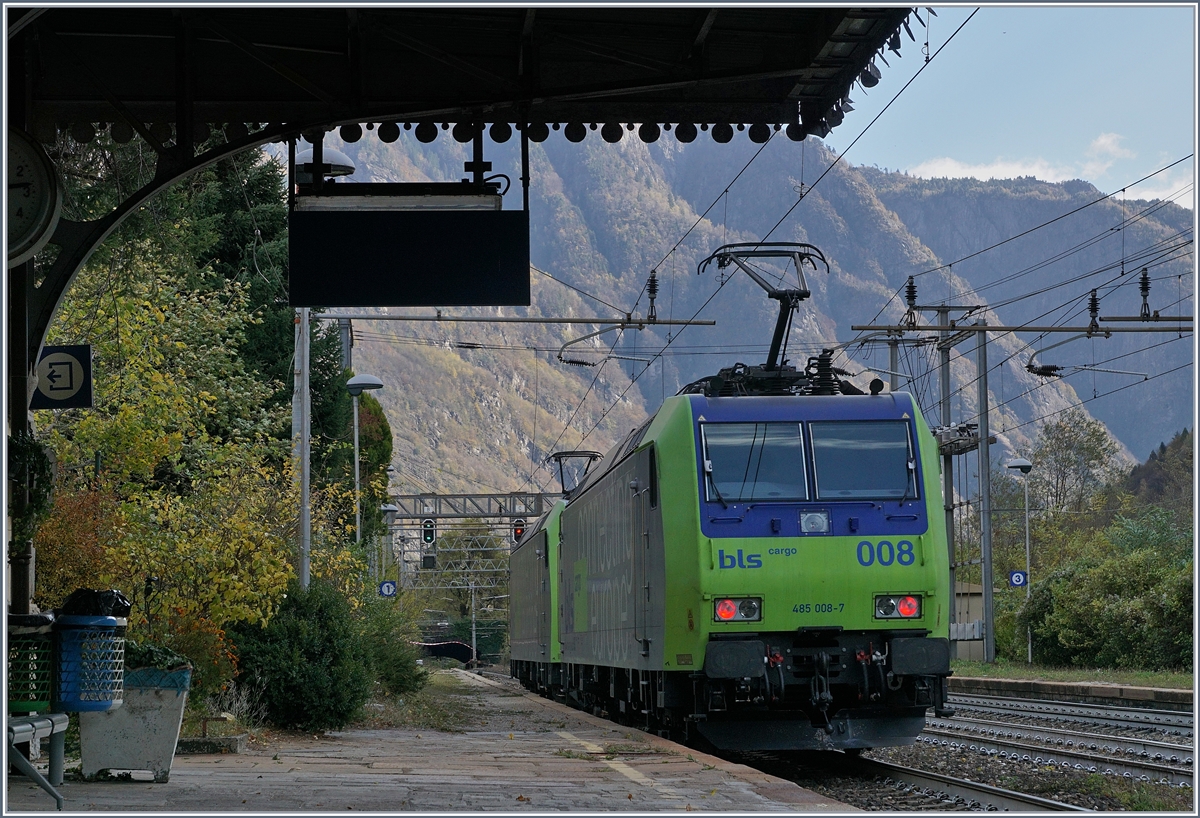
1101, 93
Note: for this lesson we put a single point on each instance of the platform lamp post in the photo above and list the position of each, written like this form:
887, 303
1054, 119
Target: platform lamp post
356, 386
326, 163
1024, 466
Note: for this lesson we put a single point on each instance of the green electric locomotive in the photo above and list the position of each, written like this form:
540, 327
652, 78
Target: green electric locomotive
762, 563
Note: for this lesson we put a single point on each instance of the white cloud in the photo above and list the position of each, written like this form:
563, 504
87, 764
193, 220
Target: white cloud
1099, 157
1102, 153
1109, 144
945, 167
1176, 186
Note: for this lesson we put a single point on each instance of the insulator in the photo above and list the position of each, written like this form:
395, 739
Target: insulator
1044, 370
825, 381
1144, 286
652, 290
1094, 305
910, 292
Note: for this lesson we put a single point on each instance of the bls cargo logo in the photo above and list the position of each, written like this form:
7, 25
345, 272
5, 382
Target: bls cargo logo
740, 561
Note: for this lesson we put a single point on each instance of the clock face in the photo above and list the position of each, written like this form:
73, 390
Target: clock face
34, 197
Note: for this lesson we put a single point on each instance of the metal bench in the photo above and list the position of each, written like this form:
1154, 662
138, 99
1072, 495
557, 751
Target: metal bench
26, 729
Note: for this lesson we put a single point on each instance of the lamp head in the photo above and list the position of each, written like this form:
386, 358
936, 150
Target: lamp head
1021, 464
339, 165
361, 383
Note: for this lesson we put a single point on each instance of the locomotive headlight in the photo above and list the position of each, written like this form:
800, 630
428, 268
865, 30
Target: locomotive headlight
898, 606
737, 609
814, 522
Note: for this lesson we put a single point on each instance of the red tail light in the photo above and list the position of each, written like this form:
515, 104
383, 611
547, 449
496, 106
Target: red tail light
726, 609
898, 606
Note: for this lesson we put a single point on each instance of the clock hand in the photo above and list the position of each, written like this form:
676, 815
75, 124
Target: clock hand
19, 184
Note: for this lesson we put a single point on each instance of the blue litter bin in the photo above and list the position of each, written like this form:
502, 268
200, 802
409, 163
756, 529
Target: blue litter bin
91, 663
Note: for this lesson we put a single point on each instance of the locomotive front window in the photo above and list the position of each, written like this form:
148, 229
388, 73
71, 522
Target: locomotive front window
863, 460
746, 462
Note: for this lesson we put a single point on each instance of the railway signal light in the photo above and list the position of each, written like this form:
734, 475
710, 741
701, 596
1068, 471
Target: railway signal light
428, 532
518, 529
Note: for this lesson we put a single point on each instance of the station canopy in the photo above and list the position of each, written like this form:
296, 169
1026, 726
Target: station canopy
310, 66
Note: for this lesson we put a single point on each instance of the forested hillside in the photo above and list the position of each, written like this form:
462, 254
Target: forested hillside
604, 215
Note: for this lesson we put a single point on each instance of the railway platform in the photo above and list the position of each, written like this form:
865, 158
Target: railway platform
1113, 695
531, 755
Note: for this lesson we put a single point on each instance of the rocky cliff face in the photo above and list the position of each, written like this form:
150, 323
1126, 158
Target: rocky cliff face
477, 407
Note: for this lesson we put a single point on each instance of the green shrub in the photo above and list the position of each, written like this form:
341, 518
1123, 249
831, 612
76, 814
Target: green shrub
389, 635
1010, 634
1127, 611
311, 659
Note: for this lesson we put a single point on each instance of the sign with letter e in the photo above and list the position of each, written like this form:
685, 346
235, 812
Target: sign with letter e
64, 378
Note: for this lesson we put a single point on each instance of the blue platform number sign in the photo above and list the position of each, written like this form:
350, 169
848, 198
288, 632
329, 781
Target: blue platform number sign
1018, 579
64, 378
387, 588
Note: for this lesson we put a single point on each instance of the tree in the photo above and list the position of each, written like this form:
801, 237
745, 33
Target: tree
1073, 457
1166, 478
172, 462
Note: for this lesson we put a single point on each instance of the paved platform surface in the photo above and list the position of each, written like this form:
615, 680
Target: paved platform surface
544, 757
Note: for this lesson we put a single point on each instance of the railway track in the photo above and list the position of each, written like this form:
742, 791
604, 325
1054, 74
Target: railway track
969, 795
1167, 721
1143, 759
879, 785
1043, 756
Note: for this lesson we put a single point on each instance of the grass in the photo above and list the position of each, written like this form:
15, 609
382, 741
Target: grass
613, 750
445, 704
574, 754
1120, 793
193, 725
1007, 669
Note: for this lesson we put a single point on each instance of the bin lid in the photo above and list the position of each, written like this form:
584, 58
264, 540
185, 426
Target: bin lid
33, 620
72, 621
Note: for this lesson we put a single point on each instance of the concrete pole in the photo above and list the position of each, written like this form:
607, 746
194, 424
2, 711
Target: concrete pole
985, 499
948, 478
357, 489
1029, 629
345, 330
301, 426
474, 648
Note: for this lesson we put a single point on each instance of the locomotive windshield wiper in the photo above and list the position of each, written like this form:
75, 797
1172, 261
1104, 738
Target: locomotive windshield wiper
708, 472
908, 482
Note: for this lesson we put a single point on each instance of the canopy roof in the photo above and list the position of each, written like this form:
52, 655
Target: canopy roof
312, 66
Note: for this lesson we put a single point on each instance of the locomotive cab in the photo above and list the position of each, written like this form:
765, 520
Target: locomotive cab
826, 584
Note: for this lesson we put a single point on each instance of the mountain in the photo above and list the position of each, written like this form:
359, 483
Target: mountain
603, 216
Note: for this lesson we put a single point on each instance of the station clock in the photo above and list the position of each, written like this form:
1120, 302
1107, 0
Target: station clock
34, 197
